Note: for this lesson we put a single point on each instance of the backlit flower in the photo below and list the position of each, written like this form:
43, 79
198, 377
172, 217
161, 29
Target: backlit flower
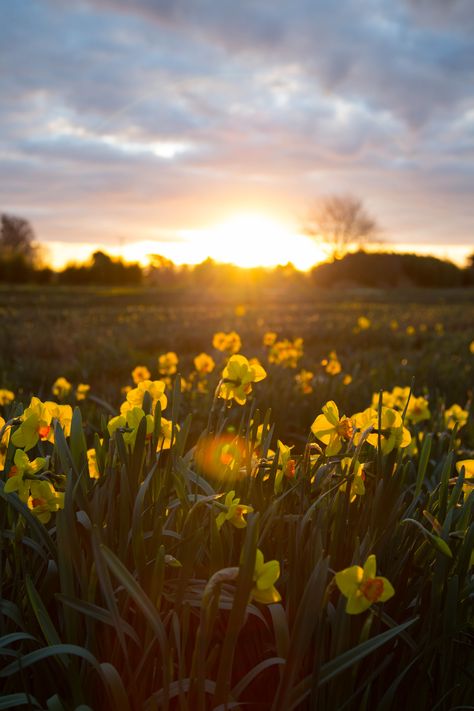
140, 373
264, 578
392, 432
6, 396
235, 512
82, 391
468, 465
37, 423
19, 476
156, 389
167, 363
331, 429
237, 379
204, 363
455, 415
44, 500
363, 587
61, 388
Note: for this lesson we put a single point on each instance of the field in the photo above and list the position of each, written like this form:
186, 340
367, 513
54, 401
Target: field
214, 531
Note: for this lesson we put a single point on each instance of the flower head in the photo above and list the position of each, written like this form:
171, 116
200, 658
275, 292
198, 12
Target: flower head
235, 512
331, 429
468, 465
392, 433
229, 342
6, 396
21, 474
455, 415
44, 500
363, 587
204, 363
61, 388
140, 373
265, 576
36, 423
167, 363
156, 389
237, 379
82, 391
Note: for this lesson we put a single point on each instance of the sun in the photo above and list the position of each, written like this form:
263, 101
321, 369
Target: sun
254, 240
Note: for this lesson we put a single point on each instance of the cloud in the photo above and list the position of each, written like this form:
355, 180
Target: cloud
121, 116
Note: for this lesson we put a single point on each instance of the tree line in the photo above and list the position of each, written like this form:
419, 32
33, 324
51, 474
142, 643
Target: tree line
21, 262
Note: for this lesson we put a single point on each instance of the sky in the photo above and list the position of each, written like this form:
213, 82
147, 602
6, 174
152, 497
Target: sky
196, 127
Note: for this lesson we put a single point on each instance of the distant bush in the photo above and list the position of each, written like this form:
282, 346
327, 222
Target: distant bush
103, 270
391, 270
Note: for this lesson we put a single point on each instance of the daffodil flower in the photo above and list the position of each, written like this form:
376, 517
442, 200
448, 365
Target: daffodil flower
37, 423
130, 421
363, 587
357, 481
286, 466
455, 415
44, 500
264, 577
468, 465
237, 379
393, 434
19, 476
156, 389
331, 429
235, 512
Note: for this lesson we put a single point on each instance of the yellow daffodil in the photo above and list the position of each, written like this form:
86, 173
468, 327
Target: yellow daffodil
61, 388
358, 478
140, 373
410, 330
235, 512
167, 363
331, 429
363, 323
229, 342
4, 441
304, 381
331, 364
156, 389
130, 421
164, 438
6, 396
44, 500
455, 415
286, 466
37, 423
468, 465
204, 363
19, 476
269, 338
264, 578
471, 347
347, 379
94, 472
237, 379
363, 587
82, 391
393, 434
286, 353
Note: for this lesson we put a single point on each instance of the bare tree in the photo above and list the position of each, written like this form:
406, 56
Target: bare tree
17, 239
340, 222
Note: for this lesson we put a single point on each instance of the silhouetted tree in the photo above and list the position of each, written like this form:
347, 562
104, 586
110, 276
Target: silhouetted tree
339, 222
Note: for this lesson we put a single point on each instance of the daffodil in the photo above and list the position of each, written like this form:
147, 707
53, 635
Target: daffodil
61, 388
286, 353
4, 441
37, 423
140, 373
21, 473
229, 342
6, 396
392, 433
363, 323
94, 472
237, 379
331, 429
129, 422
82, 391
286, 466
235, 512
167, 363
363, 587
204, 363
304, 381
269, 338
44, 500
455, 415
468, 465
156, 389
264, 578
164, 438
357, 480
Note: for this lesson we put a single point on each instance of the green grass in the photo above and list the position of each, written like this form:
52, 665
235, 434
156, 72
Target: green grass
132, 597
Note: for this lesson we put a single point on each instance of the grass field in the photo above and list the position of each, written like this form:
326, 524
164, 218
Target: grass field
288, 533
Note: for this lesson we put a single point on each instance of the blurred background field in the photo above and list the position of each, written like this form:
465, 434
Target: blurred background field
98, 335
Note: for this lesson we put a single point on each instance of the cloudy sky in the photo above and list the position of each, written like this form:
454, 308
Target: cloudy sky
145, 124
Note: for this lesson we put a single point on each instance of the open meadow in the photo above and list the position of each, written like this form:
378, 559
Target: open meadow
260, 501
